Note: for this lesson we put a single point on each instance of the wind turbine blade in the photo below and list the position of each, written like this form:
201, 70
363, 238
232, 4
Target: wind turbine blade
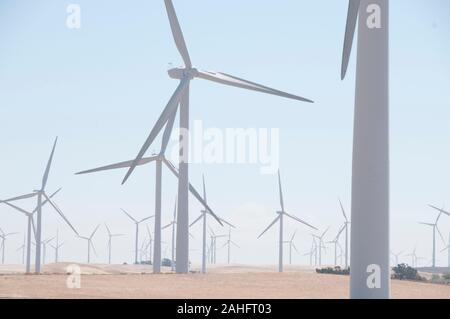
18, 209
230, 80
19, 197
93, 248
164, 117
107, 228
440, 234
227, 223
281, 192
132, 218
193, 192
167, 226
49, 164
204, 187
60, 213
95, 230
441, 210
301, 221
339, 233
236, 245
146, 218
295, 248
427, 224
268, 227
293, 235
343, 210
168, 132
445, 248
224, 245
196, 221
326, 230
352, 18
125, 164
177, 33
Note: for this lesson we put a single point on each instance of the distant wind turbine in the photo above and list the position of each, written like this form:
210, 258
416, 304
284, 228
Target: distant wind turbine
110, 237
56, 247
396, 256
321, 244
435, 228
345, 227
228, 244
90, 244
280, 218
203, 217
291, 246
3, 237
137, 223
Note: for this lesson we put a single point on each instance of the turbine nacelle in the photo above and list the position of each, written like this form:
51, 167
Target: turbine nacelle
180, 73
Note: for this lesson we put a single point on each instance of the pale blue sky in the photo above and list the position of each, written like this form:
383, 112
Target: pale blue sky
101, 88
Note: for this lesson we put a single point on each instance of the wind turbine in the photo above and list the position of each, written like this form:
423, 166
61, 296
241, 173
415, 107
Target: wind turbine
291, 245
90, 244
22, 248
345, 226
31, 226
369, 258
413, 257
203, 217
3, 237
213, 244
448, 251
321, 244
137, 223
396, 256
435, 228
280, 218
181, 97
335, 241
40, 195
44, 248
57, 247
110, 237
150, 243
228, 243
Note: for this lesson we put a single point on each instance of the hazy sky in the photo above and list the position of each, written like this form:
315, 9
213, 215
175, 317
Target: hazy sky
101, 89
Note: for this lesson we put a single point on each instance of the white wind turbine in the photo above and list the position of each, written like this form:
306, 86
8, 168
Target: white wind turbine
228, 243
321, 244
213, 245
31, 226
57, 247
203, 217
181, 98
335, 241
90, 244
396, 257
435, 228
40, 195
45, 242
291, 245
369, 256
110, 237
23, 248
3, 237
280, 218
173, 224
137, 223
414, 257
345, 227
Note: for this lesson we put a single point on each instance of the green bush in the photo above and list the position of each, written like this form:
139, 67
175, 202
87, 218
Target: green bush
446, 276
404, 272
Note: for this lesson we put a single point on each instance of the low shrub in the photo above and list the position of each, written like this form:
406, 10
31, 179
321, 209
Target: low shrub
333, 271
405, 272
